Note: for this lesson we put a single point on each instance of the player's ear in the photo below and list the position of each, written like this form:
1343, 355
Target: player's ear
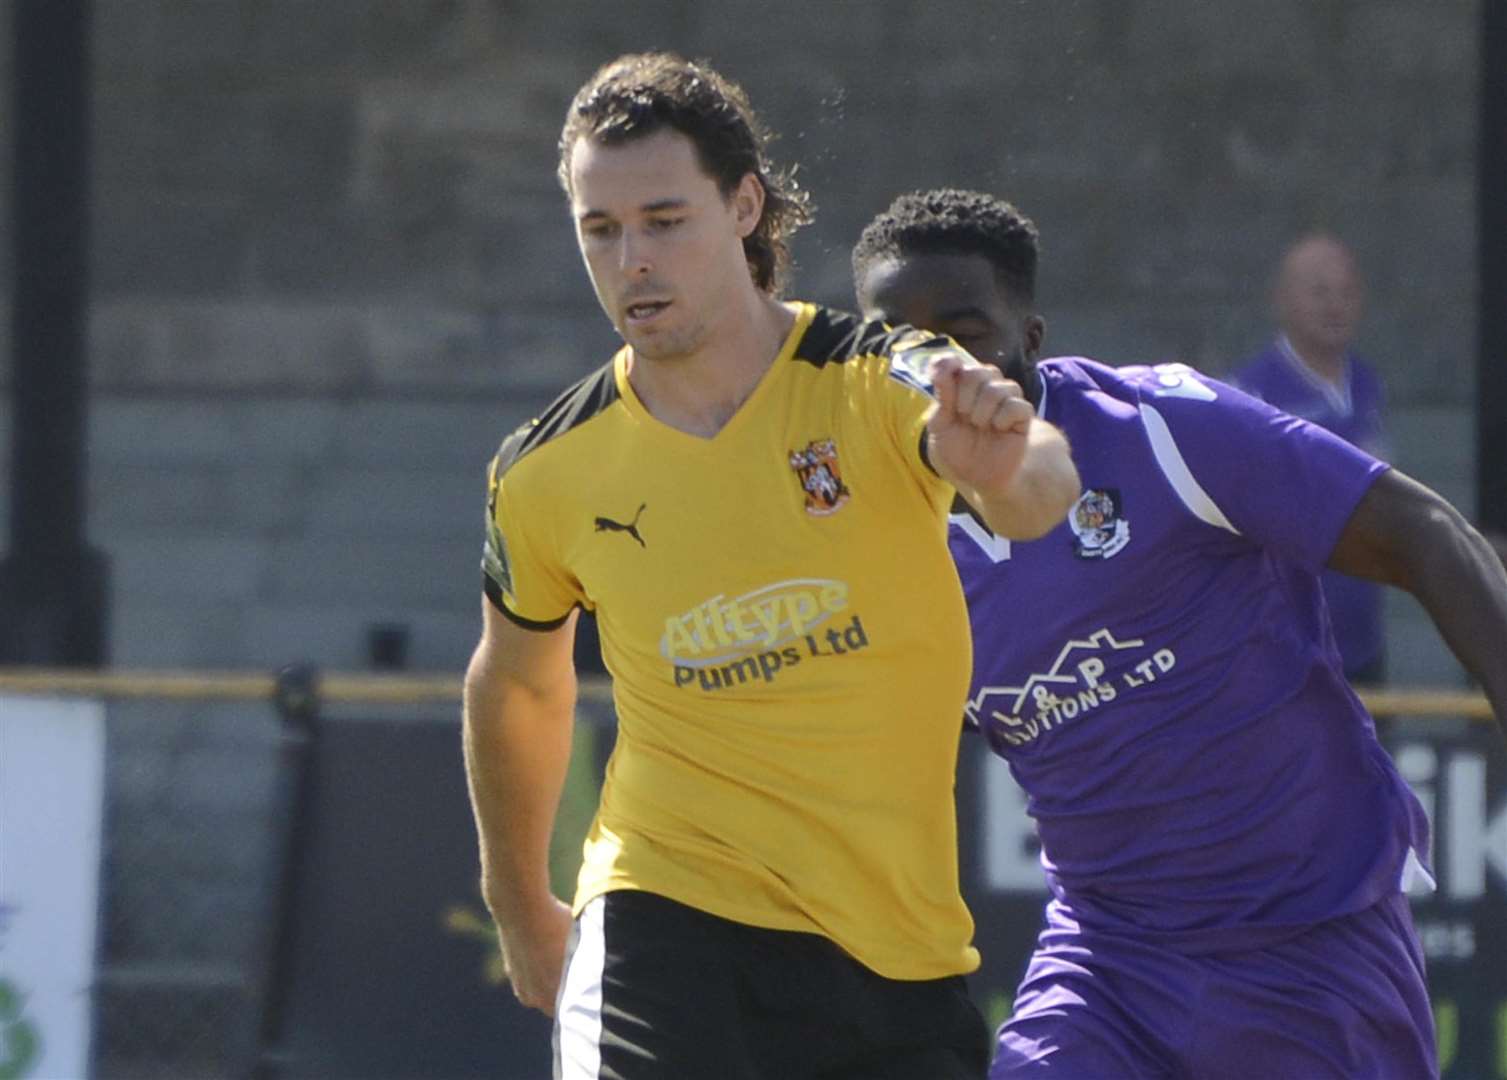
1035, 334
748, 204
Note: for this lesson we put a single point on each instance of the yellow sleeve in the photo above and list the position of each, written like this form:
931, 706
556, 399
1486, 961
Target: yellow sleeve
906, 400
518, 575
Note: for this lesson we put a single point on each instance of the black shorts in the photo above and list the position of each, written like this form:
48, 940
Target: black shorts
655, 990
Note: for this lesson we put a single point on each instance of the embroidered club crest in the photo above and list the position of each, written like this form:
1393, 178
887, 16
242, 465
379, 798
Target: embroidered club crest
1098, 521
820, 477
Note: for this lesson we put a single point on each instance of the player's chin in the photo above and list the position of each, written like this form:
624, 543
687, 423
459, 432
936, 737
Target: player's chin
650, 346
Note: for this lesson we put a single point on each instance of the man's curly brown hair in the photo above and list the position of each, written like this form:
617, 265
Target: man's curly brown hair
641, 93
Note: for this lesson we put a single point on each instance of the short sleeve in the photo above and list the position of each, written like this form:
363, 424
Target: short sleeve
531, 589
1281, 482
907, 395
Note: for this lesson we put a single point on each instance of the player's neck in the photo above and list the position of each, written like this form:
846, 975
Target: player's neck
1030, 381
699, 392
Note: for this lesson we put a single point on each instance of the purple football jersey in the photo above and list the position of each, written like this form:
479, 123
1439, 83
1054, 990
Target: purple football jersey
1160, 673
1353, 411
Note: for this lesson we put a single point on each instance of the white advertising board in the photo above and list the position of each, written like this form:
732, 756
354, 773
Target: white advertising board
52, 757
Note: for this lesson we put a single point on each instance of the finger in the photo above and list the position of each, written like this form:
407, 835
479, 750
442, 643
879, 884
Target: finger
973, 396
992, 390
1014, 414
944, 381
992, 396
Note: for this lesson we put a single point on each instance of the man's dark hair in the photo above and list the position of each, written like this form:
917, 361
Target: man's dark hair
639, 94
948, 221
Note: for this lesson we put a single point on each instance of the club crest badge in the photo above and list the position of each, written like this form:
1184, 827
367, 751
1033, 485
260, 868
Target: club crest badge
821, 479
1098, 521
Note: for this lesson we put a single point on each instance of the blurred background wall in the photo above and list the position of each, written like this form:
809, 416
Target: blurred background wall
332, 268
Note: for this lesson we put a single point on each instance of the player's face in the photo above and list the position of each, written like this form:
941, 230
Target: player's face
1319, 296
663, 247
957, 295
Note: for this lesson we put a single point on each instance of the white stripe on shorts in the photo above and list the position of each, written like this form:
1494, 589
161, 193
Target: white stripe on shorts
578, 1009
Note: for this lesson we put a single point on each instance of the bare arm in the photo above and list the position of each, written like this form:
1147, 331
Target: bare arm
986, 440
1404, 534
1499, 542
520, 694
1042, 492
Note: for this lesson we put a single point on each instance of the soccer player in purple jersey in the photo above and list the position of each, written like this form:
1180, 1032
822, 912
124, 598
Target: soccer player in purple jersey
1226, 842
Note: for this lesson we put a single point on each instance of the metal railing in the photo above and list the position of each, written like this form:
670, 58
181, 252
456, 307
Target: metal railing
381, 689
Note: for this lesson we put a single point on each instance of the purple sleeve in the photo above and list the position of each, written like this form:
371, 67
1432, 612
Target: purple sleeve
1279, 481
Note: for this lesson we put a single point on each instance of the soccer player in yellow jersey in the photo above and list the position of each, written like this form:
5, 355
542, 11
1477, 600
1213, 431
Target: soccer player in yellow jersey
752, 496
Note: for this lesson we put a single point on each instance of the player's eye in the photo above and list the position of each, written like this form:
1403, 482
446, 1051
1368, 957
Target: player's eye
665, 224
599, 230
969, 334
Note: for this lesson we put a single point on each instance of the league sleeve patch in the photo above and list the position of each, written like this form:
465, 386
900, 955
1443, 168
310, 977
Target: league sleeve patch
911, 360
494, 552
494, 559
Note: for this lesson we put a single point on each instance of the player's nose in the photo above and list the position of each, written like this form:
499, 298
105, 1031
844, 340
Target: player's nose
633, 253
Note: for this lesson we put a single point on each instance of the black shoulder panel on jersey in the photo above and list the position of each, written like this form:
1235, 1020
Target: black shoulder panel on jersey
587, 398
837, 336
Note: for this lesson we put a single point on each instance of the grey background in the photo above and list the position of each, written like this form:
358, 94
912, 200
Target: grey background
332, 266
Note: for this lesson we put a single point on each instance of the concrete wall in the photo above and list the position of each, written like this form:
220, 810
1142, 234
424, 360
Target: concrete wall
332, 267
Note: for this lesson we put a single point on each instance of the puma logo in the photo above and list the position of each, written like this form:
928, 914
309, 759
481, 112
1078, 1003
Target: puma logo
606, 524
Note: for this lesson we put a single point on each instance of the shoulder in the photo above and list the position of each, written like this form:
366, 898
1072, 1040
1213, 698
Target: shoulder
839, 337
855, 350
1266, 359
1065, 373
577, 406
1066, 379
1069, 376
1363, 372
1257, 369
1162, 398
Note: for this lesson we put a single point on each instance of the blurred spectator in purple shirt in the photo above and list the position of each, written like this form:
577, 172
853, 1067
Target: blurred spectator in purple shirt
1311, 371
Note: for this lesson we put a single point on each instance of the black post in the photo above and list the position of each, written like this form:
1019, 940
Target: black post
298, 706
53, 589
1491, 362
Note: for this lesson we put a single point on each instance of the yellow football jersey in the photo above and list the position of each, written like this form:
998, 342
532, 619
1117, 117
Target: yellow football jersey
786, 635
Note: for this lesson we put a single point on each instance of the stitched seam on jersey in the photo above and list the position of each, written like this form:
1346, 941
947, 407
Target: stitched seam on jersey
1170, 459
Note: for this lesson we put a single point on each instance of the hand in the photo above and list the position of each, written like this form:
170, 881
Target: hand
533, 954
980, 425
